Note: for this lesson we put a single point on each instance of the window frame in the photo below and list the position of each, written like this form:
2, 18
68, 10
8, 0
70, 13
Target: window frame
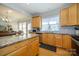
49, 25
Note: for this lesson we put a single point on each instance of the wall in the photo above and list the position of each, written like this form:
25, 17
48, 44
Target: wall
69, 29
13, 17
14, 26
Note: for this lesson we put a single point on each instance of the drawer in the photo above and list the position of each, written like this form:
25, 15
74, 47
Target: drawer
58, 36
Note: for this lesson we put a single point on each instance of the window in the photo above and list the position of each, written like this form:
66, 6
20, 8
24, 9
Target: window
25, 27
50, 24
22, 27
29, 28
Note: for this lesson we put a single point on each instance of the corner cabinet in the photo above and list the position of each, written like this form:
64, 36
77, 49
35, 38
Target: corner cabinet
70, 15
36, 22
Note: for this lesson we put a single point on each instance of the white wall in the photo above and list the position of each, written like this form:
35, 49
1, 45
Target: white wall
14, 26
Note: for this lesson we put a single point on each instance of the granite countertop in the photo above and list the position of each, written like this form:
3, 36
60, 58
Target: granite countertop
55, 32
8, 40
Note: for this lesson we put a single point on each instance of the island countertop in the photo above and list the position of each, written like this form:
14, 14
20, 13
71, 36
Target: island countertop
9, 40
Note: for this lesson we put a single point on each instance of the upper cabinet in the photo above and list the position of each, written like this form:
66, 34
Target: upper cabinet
64, 17
73, 13
69, 16
36, 22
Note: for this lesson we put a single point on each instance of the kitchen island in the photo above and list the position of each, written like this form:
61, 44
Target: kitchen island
22, 45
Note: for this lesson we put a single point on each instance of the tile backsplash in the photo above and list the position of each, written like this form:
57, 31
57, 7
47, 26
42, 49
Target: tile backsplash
69, 30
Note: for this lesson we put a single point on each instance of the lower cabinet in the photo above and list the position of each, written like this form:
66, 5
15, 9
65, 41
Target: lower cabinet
67, 42
51, 39
45, 38
20, 52
28, 47
34, 48
58, 40
48, 39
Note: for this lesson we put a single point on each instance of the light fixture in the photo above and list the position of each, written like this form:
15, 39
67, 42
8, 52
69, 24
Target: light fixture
3, 19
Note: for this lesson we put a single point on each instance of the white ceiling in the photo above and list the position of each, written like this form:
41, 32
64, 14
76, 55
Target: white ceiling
35, 8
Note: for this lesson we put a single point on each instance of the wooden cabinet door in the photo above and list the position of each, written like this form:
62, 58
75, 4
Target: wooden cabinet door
64, 17
73, 14
45, 38
78, 13
51, 39
8, 49
20, 52
36, 22
59, 41
67, 42
34, 48
48, 39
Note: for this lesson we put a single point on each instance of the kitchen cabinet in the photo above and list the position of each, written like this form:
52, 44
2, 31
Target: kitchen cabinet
67, 42
70, 15
45, 38
34, 48
64, 17
59, 40
11, 48
48, 39
63, 52
24, 51
51, 39
28, 47
73, 14
36, 22
31, 49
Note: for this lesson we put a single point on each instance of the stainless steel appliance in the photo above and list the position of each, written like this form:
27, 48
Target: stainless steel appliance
77, 31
